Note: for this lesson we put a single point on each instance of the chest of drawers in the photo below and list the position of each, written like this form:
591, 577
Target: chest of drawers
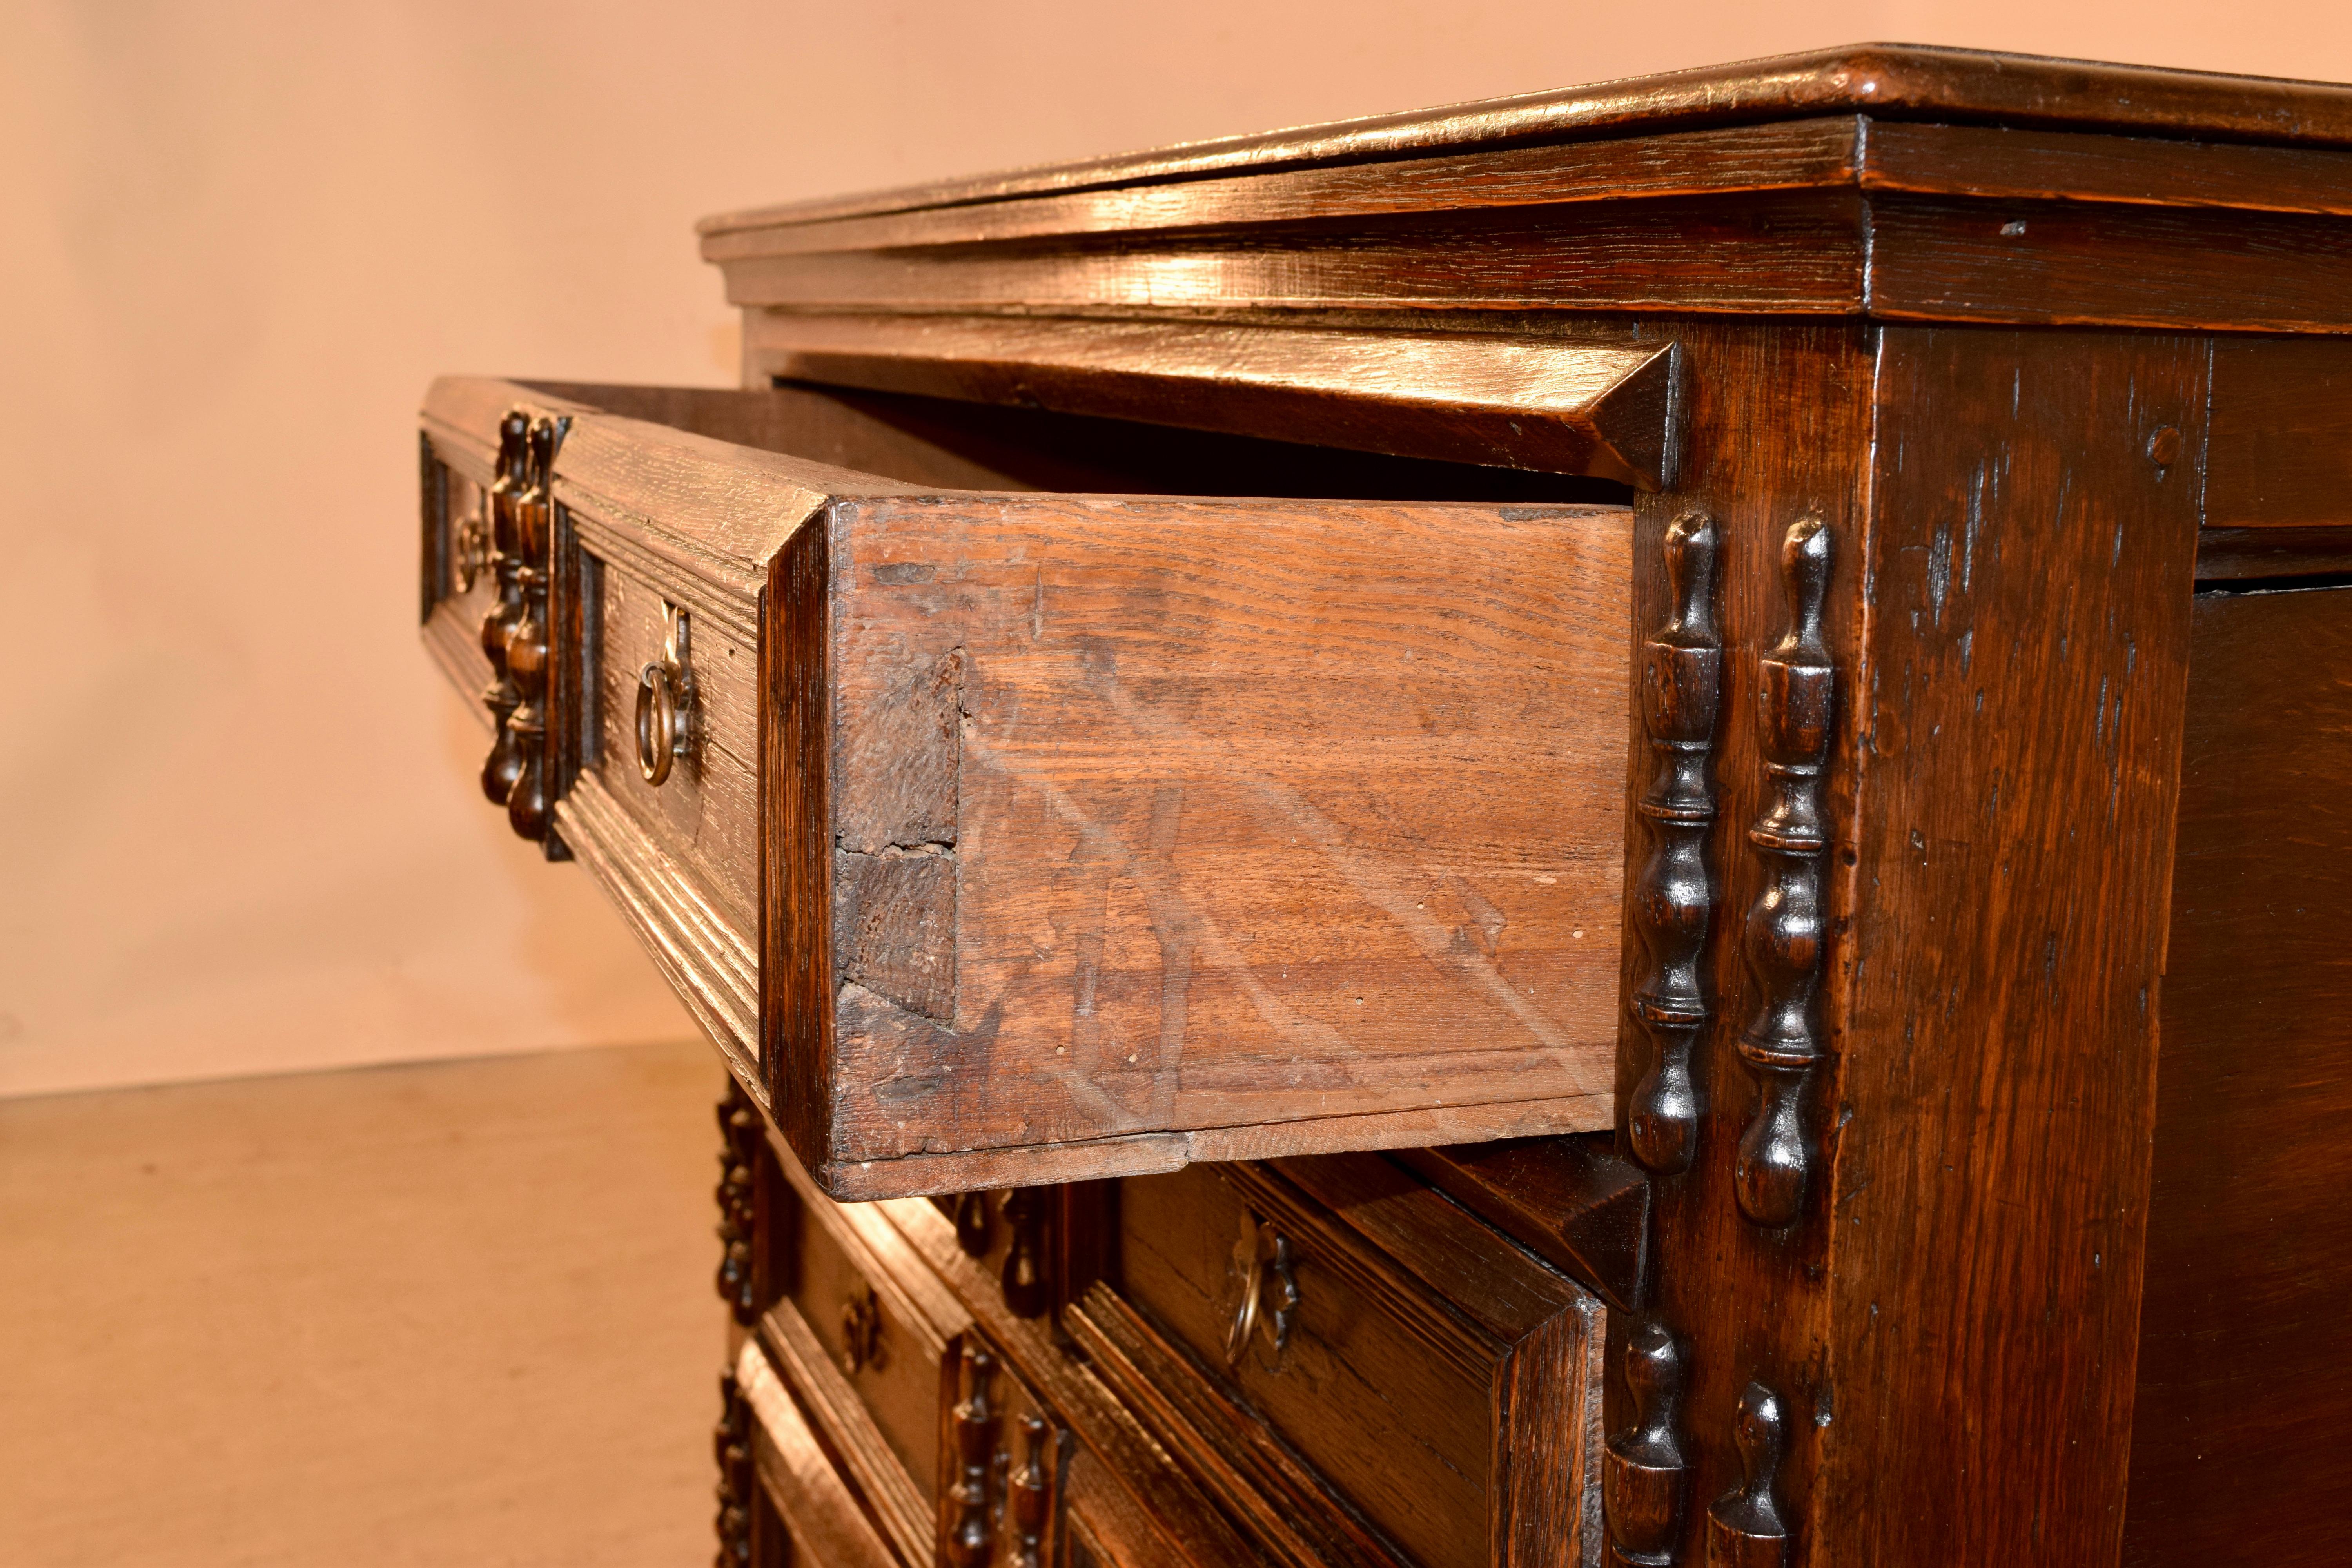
1600, 828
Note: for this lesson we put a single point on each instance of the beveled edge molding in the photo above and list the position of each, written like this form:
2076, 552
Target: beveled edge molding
1744, 1526
1674, 901
1609, 410
1795, 697
1642, 1470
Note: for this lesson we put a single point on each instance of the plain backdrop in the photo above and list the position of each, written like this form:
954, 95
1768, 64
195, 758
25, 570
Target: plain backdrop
239, 831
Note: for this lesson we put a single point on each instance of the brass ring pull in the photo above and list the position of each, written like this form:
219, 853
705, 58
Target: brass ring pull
1269, 1289
665, 691
658, 733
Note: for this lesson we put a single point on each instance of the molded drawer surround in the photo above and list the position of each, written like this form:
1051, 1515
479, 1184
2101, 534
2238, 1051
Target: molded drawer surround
1440, 1379
1017, 837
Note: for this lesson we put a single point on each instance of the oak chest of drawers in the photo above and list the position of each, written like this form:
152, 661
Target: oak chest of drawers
1600, 828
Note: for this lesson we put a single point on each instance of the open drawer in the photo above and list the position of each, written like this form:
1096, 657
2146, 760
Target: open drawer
1004, 834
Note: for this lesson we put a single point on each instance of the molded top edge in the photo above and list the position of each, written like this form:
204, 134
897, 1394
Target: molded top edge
1893, 81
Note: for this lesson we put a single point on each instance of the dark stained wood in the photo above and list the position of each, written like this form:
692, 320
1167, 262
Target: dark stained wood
1787, 927
797, 1053
1898, 80
1778, 431
1642, 1472
2245, 1352
1804, 250
1993, 988
2011, 165
1064, 763
1570, 1201
2249, 555
2061, 262
742, 1147
2281, 451
1437, 1377
1155, 1499
1672, 906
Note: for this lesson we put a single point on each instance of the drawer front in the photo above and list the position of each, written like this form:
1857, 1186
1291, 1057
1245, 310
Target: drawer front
859, 1338
704, 813
816, 1507
1453, 1413
1009, 838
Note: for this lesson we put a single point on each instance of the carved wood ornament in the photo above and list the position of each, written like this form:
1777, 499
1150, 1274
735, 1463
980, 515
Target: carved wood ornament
529, 802
1796, 695
515, 633
1674, 903
1025, 1286
1643, 1471
739, 1158
1032, 1491
505, 761
1744, 1529
971, 1528
731, 1442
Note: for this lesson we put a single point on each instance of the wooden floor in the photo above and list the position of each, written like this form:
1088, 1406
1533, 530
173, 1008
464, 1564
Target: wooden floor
451, 1314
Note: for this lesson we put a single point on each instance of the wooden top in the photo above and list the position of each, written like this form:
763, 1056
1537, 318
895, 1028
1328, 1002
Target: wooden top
1895, 81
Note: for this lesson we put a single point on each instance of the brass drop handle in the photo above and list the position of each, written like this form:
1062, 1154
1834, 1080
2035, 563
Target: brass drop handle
1270, 1299
665, 692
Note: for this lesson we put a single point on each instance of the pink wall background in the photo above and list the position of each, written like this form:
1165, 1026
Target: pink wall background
239, 831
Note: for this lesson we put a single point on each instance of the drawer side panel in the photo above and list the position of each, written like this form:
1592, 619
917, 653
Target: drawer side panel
1266, 816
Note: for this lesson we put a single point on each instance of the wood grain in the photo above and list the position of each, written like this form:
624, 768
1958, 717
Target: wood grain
1896, 81
1765, 250
1204, 879
1600, 409
1182, 1518
1242, 1462
942, 442
826, 1522
2063, 262
705, 815
1452, 1416
1994, 1008
2280, 453
901, 1377
2245, 1355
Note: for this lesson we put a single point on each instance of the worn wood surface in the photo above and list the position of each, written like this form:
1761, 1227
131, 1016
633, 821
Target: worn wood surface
1453, 1415
820, 1512
1258, 815
1571, 1201
1779, 432
1250, 1471
705, 815
2245, 1355
1853, 213
1994, 990
1182, 1520
883, 1326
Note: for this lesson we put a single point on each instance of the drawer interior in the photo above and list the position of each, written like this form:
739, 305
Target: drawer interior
946, 442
